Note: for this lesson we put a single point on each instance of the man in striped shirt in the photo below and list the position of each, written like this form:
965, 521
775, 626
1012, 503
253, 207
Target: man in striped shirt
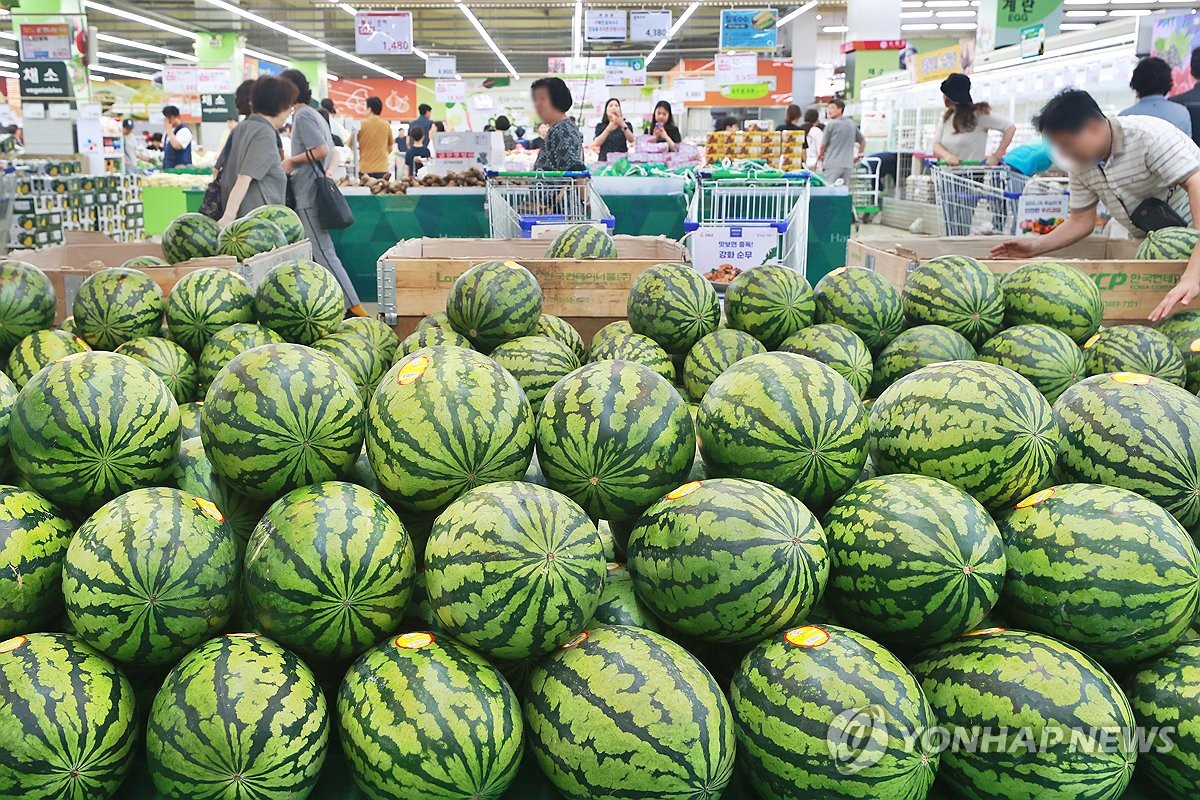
1122, 162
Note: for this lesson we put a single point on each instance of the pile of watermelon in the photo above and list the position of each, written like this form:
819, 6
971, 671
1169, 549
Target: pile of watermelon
842, 541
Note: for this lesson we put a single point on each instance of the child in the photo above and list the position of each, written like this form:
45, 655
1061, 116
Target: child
419, 152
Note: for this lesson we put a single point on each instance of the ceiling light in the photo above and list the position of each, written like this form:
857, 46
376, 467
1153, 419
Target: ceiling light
483, 34
679, 23
7, 35
576, 30
1129, 12
1083, 2
946, 3
919, 26
916, 14
1096, 13
791, 15
957, 26
133, 62
351, 10
124, 73
419, 53
283, 62
153, 23
14, 76
956, 14
149, 48
10, 65
4, 51
1077, 26
835, 29
911, 4
97, 78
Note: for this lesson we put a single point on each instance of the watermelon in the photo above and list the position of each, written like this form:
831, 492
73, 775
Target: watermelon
376, 332
226, 343
787, 420
1102, 569
68, 325
328, 571
1044, 356
916, 348
564, 332
115, 305
68, 727
837, 347
365, 365
8, 395
39, 349
191, 236
33, 542
979, 426
91, 427
1183, 329
260, 425
169, 361
443, 421
914, 560
625, 712
616, 329
823, 711
1169, 244
770, 303
583, 241
513, 570
238, 717
204, 302
247, 237
674, 305
619, 603
860, 300
1134, 348
1031, 696
537, 363
429, 337
287, 220
1137, 433
143, 262
27, 302
468, 743
712, 355
189, 419
1165, 695
958, 292
193, 473
494, 302
438, 319
728, 560
1053, 294
301, 301
637, 349
614, 437
361, 474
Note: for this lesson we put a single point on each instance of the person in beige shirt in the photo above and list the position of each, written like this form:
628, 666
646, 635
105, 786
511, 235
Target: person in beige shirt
963, 132
375, 142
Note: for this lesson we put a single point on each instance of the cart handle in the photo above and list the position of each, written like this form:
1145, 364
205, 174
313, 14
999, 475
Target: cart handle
942, 163
491, 173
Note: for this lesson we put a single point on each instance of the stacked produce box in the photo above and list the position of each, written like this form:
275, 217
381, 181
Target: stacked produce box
52, 198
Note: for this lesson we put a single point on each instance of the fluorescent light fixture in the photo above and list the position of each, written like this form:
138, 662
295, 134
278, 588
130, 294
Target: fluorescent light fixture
483, 34
149, 48
419, 53
957, 26
835, 29
576, 32
679, 23
4, 51
153, 23
911, 4
956, 15
7, 35
10, 65
1129, 12
97, 78
332, 78
916, 14
283, 62
14, 76
791, 15
351, 10
947, 3
1077, 26
124, 73
919, 26
1096, 13
133, 62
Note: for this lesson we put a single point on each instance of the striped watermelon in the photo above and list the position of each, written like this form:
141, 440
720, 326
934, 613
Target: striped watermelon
674, 305
8, 395
39, 349
1134, 348
443, 421
168, 361
91, 427
151, 575
189, 420
759, 570
143, 262
1053, 294
1183, 329
1044, 356
583, 241
1078, 553
68, 727
375, 331
625, 712
615, 329
837, 347
33, 542
287, 220
429, 337
619, 603
770, 303
226, 343
259, 427
1137, 433
361, 474
328, 571
979, 426
914, 560
513, 569
1169, 244
614, 437
68, 325
301, 301
1007, 682
115, 305
958, 292
438, 319
637, 349
537, 363
864, 302
468, 743
239, 717
1164, 693
823, 711
364, 364
787, 420
204, 302
247, 237
916, 348
27, 302
564, 332
191, 236
712, 355
494, 302
193, 473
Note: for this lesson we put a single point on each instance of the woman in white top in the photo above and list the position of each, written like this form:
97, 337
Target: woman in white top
963, 134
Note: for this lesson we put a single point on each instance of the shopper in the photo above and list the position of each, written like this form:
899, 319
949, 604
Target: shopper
312, 156
613, 133
340, 134
252, 175
728, 124
814, 133
177, 139
791, 119
963, 133
504, 126
1130, 164
374, 141
241, 98
1191, 98
841, 146
540, 140
416, 156
1151, 80
563, 149
424, 120
664, 128
129, 148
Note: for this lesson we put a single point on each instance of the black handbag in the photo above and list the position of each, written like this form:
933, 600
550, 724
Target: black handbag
213, 205
332, 208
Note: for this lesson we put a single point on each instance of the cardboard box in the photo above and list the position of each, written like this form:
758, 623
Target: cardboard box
1130, 288
255, 268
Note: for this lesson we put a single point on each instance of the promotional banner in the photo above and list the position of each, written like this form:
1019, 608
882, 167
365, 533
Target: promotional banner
180, 80
749, 29
1000, 21
624, 71
936, 65
399, 97
771, 85
649, 26
383, 33
47, 41
1173, 41
604, 25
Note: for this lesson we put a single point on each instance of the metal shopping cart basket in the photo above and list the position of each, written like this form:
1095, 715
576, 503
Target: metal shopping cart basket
519, 202
977, 199
865, 191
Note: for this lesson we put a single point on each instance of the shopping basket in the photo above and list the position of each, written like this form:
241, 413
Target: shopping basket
976, 198
518, 202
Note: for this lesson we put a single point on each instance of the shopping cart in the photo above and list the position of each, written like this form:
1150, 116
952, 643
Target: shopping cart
519, 202
865, 191
977, 199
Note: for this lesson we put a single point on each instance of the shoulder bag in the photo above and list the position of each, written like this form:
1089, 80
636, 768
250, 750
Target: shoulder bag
213, 205
332, 208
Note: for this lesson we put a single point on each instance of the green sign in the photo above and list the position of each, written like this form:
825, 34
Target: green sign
1002, 22
1033, 41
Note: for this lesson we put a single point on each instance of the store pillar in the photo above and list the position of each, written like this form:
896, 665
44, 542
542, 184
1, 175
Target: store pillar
222, 52
873, 19
804, 58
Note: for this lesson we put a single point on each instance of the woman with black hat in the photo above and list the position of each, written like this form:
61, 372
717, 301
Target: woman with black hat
963, 134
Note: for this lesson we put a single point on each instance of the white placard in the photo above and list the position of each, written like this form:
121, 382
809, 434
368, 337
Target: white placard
649, 26
1038, 214
47, 41
456, 151
690, 90
383, 32
451, 91
743, 246
734, 69
179, 80
441, 67
624, 71
33, 110
604, 25
214, 80
60, 110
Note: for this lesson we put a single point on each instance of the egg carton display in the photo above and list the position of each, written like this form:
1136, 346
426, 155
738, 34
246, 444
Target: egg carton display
778, 148
51, 199
919, 189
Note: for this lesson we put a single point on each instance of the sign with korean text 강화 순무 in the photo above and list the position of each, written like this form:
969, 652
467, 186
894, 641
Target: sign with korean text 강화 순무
624, 71
441, 66
450, 91
736, 68
45, 41
649, 26
214, 80
749, 29
743, 246
383, 33
179, 80
604, 25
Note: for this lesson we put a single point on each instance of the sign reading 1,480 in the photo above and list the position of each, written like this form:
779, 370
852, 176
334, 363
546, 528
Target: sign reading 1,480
383, 32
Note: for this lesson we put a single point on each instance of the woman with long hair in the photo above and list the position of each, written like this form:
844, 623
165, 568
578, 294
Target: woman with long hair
963, 134
791, 119
613, 133
814, 133
663, 127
